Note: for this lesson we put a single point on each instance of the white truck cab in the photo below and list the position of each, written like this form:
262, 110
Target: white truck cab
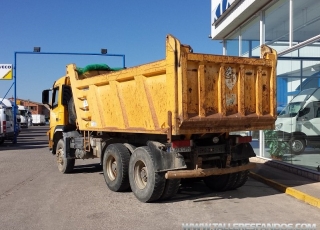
299, 122
6, 120
24, 116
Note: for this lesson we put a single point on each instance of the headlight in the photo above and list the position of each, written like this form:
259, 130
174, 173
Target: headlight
278, 126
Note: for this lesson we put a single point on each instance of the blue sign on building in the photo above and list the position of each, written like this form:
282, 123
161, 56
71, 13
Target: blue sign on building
222, 6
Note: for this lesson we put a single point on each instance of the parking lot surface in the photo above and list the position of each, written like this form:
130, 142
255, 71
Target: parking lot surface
34, 195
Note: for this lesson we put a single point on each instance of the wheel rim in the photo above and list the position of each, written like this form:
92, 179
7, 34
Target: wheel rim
297, 145
111, 168
60, 158
140, 174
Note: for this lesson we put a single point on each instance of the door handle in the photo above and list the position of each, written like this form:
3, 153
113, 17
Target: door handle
57, 119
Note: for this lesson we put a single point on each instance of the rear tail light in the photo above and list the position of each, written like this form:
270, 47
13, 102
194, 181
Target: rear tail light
4, 125
179, 144
246, 139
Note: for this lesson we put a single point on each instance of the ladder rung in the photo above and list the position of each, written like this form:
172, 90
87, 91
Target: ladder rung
84, 108
86, 118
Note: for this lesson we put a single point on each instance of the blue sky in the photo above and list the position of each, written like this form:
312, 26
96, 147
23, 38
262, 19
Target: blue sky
136, 29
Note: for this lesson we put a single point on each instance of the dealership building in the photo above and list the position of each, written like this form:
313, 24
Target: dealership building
292, 28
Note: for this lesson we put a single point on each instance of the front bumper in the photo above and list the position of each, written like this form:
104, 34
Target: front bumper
284, 136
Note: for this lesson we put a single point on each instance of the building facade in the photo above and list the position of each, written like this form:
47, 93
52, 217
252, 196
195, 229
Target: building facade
291, 27
33, 107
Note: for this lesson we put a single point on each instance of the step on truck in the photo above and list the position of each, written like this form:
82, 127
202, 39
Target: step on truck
155, 124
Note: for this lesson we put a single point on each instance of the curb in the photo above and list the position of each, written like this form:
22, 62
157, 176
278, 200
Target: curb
288, 190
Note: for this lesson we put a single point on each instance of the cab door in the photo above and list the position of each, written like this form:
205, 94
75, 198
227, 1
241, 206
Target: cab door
309, 119
9, 122
57, 114
316, 120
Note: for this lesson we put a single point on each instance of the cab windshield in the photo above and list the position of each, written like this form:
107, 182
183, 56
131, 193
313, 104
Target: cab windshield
291, 110
23, 112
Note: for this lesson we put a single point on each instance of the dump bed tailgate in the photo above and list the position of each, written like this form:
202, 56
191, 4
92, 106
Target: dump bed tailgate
225, 93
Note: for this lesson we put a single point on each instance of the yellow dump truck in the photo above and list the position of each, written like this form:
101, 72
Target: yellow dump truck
155, 124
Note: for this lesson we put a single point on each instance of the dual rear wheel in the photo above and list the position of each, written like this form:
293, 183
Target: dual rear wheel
138, 172
228, 181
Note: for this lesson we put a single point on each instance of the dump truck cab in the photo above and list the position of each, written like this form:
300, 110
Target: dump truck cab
57, 99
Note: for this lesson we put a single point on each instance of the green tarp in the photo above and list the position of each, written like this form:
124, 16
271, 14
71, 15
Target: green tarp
96, 67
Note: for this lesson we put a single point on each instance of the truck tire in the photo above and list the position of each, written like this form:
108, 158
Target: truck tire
64, 165
171, 188
222, 182
72, 112
115, 167
241, 179
297, 145
217, 183
242, 176
146, 184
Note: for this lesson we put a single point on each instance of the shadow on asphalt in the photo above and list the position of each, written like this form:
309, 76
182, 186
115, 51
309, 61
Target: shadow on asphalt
199, 192
89, 168
29, 138
196, 191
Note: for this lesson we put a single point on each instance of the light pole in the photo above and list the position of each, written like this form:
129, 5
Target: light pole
36, 50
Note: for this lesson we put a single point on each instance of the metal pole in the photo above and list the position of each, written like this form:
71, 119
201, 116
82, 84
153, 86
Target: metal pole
15, 77
224, 50
262, 41
124, 61
240, 42
290, 23
15, 99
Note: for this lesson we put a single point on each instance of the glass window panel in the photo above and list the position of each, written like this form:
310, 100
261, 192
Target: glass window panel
277, 25
251, 38
306, 19
297, 132
233, 45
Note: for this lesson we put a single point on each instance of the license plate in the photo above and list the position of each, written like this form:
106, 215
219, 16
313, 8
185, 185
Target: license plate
181, 149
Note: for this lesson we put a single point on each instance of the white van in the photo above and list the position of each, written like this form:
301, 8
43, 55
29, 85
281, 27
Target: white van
6, 120
24, 116
38, 119
299, 122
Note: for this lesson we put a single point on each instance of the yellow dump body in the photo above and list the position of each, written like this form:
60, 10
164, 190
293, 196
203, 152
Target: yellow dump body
204, 93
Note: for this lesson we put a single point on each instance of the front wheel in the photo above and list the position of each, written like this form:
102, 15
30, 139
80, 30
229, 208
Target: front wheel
146, 184
297, 145
64, 165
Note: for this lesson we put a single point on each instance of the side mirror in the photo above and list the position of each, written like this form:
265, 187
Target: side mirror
45, 97
66, 94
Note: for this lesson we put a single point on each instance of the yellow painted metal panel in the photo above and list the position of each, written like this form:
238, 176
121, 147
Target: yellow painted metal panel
204, 93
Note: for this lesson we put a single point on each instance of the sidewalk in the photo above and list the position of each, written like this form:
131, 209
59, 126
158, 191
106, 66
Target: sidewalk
292, 184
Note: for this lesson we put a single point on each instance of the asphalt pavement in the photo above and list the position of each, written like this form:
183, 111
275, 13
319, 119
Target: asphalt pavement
34, 195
